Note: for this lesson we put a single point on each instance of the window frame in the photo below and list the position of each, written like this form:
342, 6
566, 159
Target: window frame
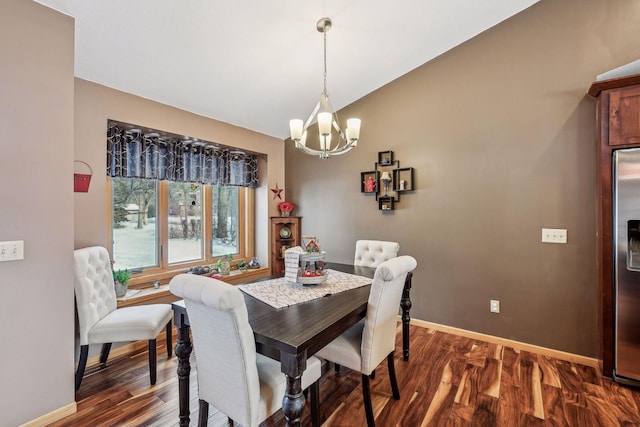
165, 271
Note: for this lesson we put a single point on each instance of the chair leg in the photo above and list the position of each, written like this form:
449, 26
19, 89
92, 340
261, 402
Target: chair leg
82, 363
336, 367
104, 355
366, 395
169, 332
392, 376
203, 417
152, 361
373, 375
315, 404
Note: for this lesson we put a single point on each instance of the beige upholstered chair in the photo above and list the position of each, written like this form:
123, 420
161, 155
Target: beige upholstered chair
101, 322
367, 343
245, 386
372, 253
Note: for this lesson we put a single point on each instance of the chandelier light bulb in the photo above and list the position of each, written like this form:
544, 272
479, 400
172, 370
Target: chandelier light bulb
295, 126
324, 123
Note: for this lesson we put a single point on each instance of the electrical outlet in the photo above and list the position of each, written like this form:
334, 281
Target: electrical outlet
554, 235
12, 251
494, 306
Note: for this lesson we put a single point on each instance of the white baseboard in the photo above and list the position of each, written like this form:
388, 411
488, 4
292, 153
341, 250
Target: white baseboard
53, 416
562, 355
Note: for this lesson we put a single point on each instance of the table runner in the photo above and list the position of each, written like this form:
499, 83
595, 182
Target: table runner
279, 293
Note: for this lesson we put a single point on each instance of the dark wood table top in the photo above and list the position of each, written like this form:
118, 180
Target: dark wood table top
311, 325
308, 326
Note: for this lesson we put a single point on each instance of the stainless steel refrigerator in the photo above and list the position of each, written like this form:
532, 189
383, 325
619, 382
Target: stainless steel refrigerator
626, 223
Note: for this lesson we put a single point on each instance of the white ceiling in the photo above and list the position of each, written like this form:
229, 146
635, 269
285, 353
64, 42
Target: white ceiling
257, 64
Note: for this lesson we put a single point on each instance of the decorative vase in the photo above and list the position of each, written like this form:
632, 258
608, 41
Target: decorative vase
223, 267
283, 213
121, 290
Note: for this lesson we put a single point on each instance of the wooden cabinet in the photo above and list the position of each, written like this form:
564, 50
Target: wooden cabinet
624, 122
285, 233
618, 126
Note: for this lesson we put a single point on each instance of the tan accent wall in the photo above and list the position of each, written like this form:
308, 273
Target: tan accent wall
95, 104
501, 133
36, 206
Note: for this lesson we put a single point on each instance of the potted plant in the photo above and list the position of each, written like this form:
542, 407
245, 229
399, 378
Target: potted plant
120, 279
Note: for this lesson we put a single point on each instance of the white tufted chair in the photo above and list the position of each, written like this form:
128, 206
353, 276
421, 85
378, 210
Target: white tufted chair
372, 253
245, 386
101, 322
367, 343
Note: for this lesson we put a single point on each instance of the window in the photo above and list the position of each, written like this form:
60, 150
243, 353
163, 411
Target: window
160, 226
134, 223
176, 201
185, 222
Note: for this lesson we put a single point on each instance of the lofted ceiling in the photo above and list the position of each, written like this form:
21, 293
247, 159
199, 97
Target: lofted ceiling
257, 64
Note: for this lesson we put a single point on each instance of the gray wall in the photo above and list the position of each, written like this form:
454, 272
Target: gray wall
501, 134
36, 205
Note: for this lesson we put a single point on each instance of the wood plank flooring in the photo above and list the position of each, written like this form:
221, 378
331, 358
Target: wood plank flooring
449, 381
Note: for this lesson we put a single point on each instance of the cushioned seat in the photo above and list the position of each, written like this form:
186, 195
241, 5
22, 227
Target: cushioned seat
99, 319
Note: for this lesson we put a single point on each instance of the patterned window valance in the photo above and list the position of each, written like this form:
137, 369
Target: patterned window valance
134, 154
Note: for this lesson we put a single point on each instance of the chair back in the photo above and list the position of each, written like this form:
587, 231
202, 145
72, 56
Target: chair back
94, 288
379, 335
372, 253
224, 346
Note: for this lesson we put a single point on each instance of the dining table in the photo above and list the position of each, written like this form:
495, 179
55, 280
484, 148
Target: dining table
291, 335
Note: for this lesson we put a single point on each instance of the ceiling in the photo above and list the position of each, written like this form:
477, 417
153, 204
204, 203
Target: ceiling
257, 64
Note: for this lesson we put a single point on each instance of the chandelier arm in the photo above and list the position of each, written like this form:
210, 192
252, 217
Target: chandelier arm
305, 149
311, 116
338, 149
346, 149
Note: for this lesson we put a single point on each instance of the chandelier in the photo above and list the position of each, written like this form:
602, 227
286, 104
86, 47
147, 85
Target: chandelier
342, 141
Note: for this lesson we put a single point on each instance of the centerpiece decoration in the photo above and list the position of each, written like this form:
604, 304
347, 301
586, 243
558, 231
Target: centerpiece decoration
285, 208
311, 267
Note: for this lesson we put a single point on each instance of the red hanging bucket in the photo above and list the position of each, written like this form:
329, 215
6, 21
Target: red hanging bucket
81, 181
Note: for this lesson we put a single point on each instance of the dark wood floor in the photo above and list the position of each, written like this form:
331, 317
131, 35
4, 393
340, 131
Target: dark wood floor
448, 381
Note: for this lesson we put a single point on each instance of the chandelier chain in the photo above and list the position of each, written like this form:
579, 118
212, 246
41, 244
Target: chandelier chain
325, 62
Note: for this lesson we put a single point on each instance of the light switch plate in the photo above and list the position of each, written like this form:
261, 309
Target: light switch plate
12, 251
554, 235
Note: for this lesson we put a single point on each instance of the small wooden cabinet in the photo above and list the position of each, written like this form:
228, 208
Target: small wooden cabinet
285, 233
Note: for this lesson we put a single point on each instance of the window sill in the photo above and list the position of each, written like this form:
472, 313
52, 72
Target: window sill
148, 293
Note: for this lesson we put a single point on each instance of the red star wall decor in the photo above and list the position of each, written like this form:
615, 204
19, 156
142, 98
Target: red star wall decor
277, 192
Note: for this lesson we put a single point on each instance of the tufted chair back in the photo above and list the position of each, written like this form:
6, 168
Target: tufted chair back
94, 288
379, 334
372, 253
224, 346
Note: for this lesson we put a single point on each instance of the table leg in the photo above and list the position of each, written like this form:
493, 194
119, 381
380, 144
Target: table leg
183, 351
293, 401
405, 303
